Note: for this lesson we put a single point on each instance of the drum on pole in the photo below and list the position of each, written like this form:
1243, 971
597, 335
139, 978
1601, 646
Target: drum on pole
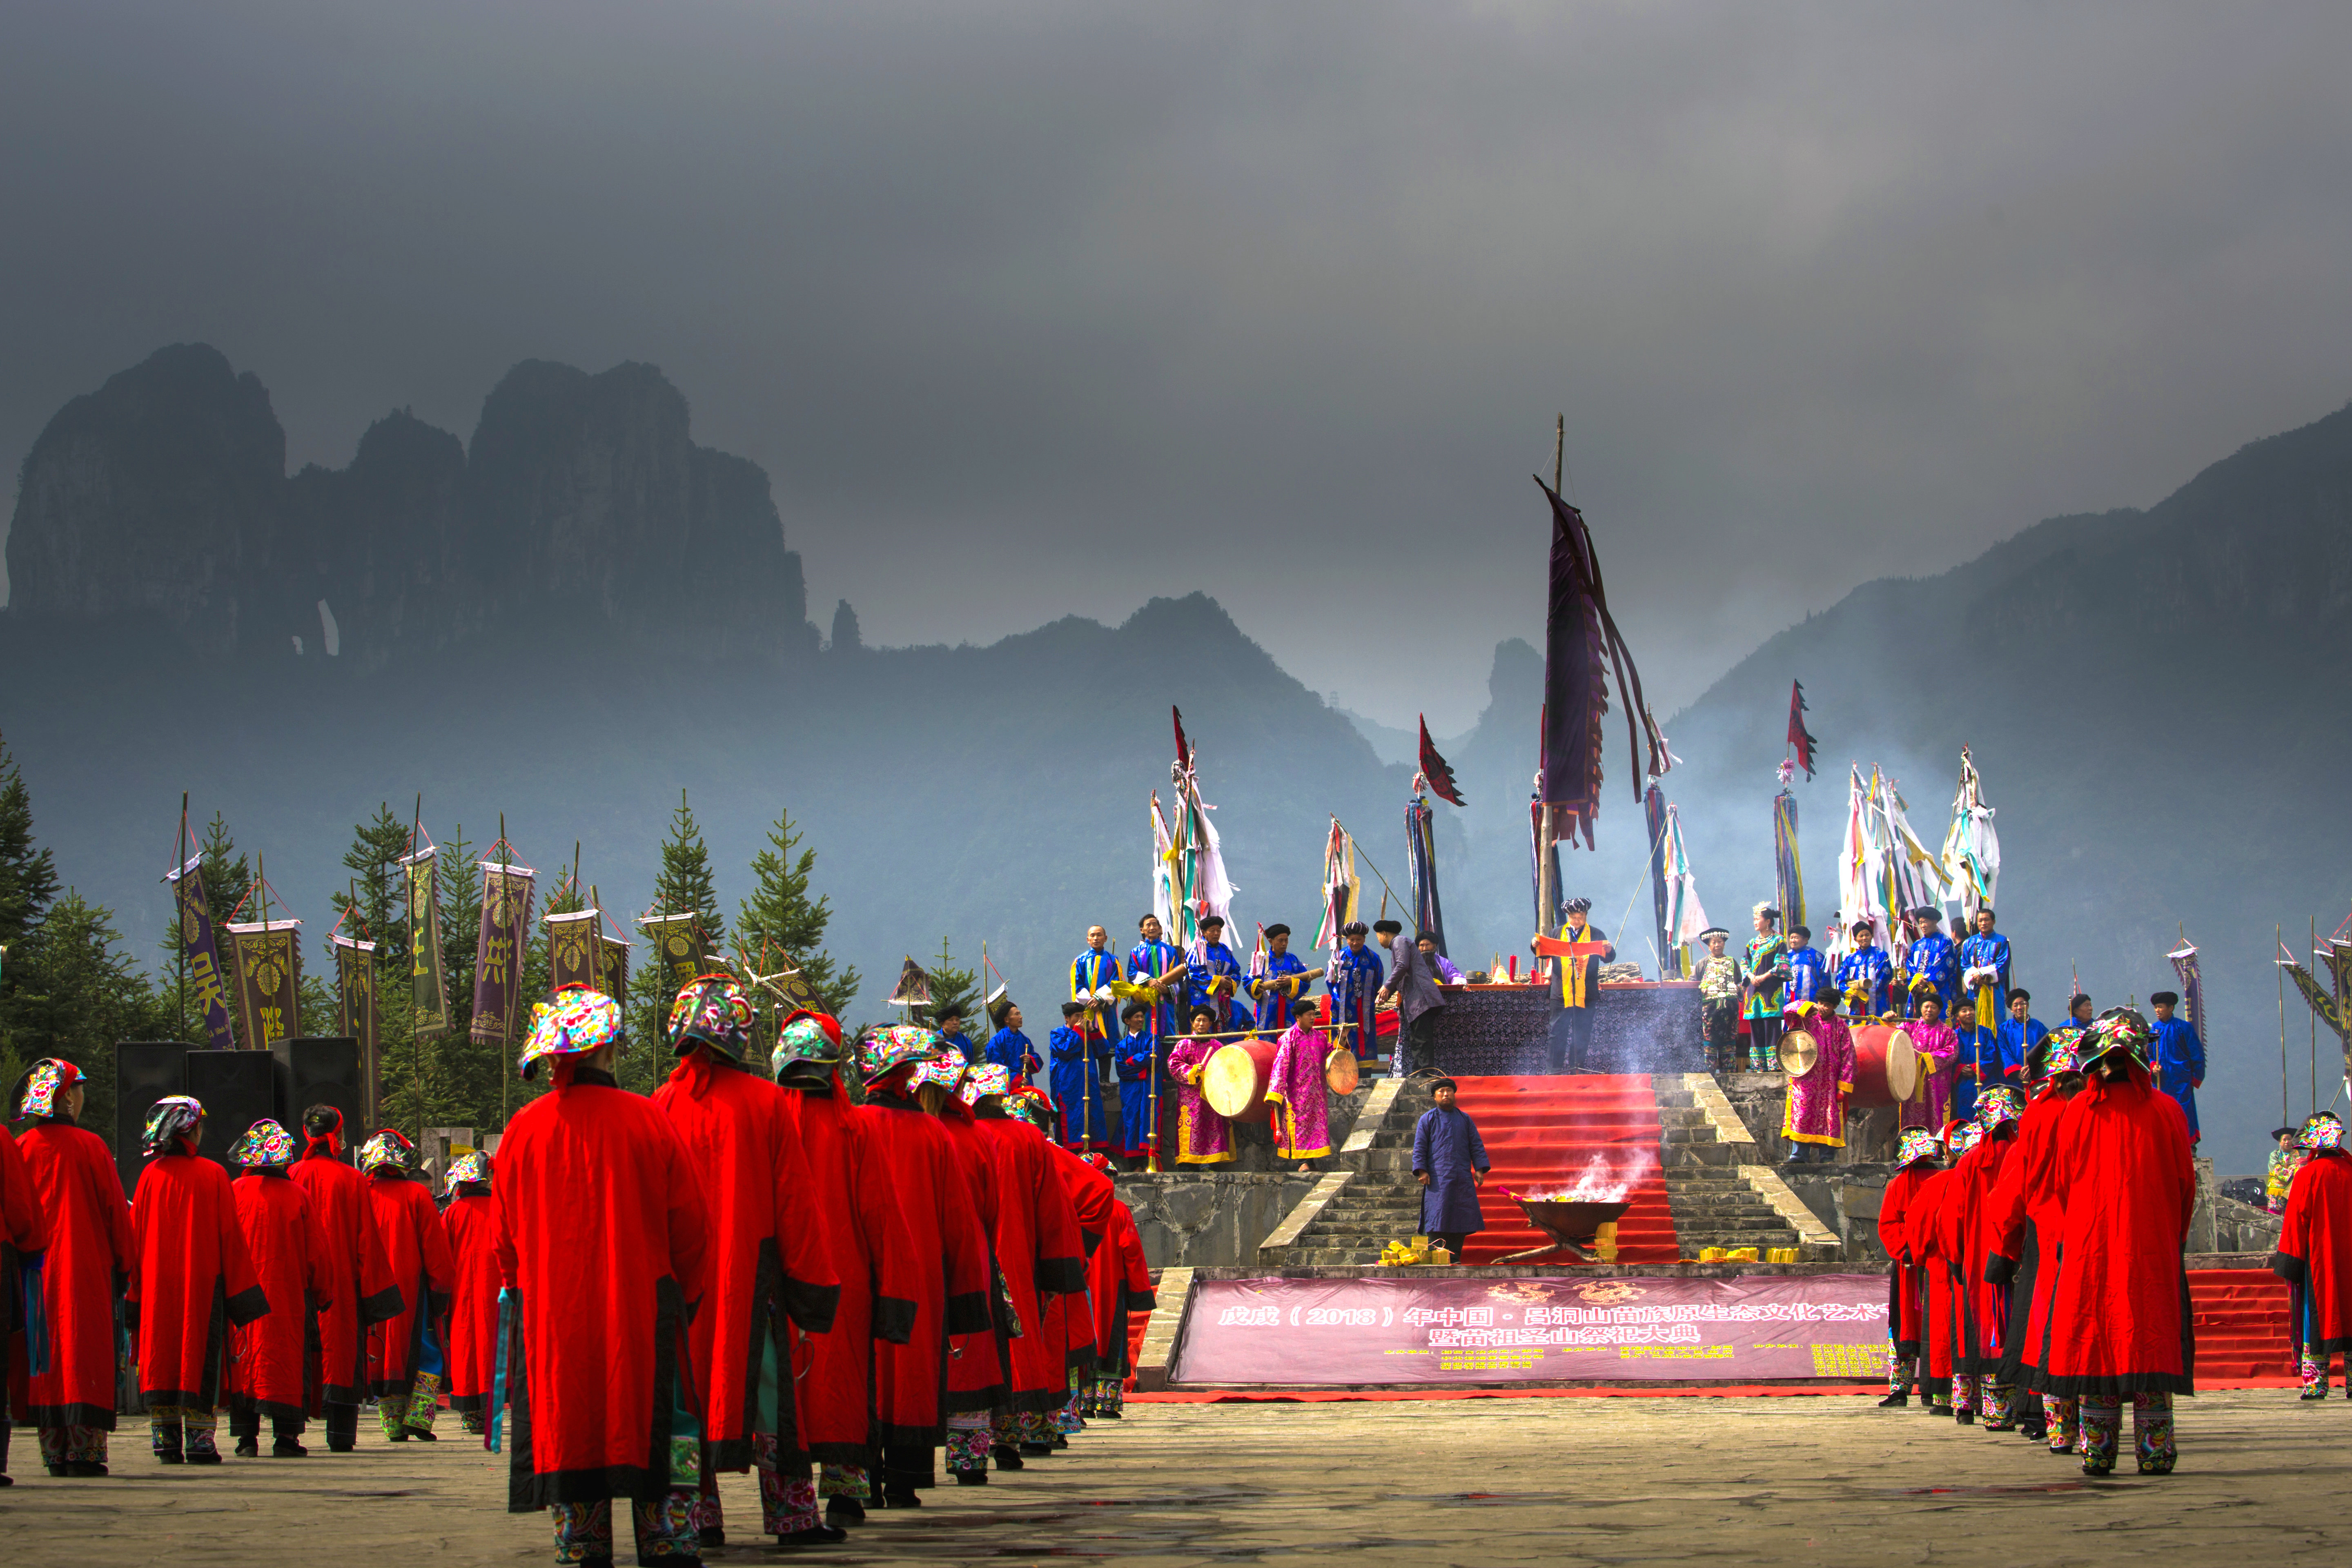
1886, 1070
1237, 1079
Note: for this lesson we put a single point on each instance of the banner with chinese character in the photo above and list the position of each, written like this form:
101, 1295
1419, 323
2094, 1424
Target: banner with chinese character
355, 1005
428, 991
678, 955
575, 950
267, 963
499, 951
207, 986
613, 964
1461, 1330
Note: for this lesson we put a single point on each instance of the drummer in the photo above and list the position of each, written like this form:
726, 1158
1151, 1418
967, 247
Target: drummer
1812, 1119
1202, 1137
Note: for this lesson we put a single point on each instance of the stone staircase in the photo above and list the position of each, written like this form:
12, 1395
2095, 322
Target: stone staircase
1370, 1200
1722, 1192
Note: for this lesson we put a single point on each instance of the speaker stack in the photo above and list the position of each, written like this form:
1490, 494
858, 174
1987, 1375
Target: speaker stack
144, 1072
236, 1089
320, 1071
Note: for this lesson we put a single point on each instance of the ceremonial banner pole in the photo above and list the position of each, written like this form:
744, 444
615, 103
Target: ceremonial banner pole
199, 949
356, 1006
499, 950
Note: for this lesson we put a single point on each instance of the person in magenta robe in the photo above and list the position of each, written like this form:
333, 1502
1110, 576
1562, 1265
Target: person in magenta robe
1302, 1123
1939, 1053
1812, 1121
1203, 1138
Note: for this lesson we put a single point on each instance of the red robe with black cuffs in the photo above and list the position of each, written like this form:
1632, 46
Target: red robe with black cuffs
979, 1364
2024, 1226
1120, 1282
602, 1233
1904, 1282
358, 1287
416, 1256
266, 1369
88, 1260
23, 1231
471, 1225
866, 1237
2314, 1252
1987, 1304
2120, 1322
1923, 1231
1072, 1318
1039, 1253
767, 1259
947, 1264
194, 1280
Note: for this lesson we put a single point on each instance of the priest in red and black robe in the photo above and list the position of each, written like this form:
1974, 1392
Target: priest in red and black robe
948, 1273
870, 1254
1923, 1232
2120, 1326
978, 1363
267, 1362
1038, 1253
192, 1283
359, 1287
23, 1233
471, 1223
86, 1263
2314, 1253
1092, 1194
2027, 1224
1915, 1161
602, 1233
1119, 1281
408, 1356
1996, 1110
767, 1264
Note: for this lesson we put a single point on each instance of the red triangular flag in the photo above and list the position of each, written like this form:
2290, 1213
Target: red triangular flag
1799, 737
1433, 768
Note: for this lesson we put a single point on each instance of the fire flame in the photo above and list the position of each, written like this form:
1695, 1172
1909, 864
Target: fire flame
1599, 1183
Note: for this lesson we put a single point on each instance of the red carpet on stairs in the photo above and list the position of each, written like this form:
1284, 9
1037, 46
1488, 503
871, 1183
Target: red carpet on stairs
2242, 1331
1543, 1135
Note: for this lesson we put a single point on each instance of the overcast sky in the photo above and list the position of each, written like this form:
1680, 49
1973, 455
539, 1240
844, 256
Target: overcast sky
1031, 310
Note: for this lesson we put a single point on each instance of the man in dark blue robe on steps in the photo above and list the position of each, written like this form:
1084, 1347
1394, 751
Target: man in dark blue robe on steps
1449, 1161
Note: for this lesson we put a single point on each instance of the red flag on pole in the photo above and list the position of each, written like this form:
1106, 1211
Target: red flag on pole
1435, 769
1801, 739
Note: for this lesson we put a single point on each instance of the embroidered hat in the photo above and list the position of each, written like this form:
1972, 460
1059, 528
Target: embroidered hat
712, 1009
1099, 1162
388, 1150
2061, 1051
44, 1090
2119, 1029
986, 1079
2322, 1131
807, 1036
1031, 1106
1917, 1143
886, 1050
264, 1143
1998, 1103
1960, 1137
167, 1119
945, 1072
472, 1167
576, 1021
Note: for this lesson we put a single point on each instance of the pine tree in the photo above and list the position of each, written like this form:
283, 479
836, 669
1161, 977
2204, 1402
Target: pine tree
953, 989
28, 879
73, 992
781, 914
683, 884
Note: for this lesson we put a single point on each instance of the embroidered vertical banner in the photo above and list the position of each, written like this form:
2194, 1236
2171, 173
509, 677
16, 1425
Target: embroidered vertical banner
428, 991
575, 950
499, 951
2192, 988
678, 955
613, 964
268, 970
202, 952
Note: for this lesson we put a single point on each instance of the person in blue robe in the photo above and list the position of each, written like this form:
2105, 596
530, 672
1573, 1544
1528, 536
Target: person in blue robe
2020, 1035
2179, 1058
1217, 973
1156, 962
949, 1024
1137, 1058
1090, 971
1010, 1048
1354, 978
1809, 972
1932, 954
1078, 1056
1277, 1006
1867, 966
1984, 983
1449, 1161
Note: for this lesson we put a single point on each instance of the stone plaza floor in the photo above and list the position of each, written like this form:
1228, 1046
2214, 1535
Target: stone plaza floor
1473, 1482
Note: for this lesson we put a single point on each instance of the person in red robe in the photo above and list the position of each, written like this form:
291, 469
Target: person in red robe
192, 1283
1914, 1159
408, 1357
948, 1271
86, 1258
869, 1254
1996, 1119
2027, 1223
470, 1221
1039, 1255
602, 1235
2314, 1253
359, 1290
24, 1232
267, 1362
767, 1264
1923, 1235
2120, 1326
979, 1364
1092, 1194
1119, 1279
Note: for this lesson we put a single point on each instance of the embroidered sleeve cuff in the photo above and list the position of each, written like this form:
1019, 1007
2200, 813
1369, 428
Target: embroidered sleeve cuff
1998, 1269
247, 1305
811, 1306
968, 1313
893, 1319
1143, 1301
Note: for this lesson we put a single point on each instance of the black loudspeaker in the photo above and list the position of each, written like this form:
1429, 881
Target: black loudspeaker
236, 1089
318, 1070
144, 1072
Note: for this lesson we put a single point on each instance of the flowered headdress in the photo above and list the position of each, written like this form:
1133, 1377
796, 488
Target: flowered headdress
2061, 1051
388, 1150
578, 1021
1030, 1106
169, 1118
1998, 1103
2119, 1029
264, 1143
1960, 1137
46, 1087
985, 1079
470, 1168
946, 1071
712, 1009
2322, 1131
884, 1050
807, 1039
1916, 1144
1099, 1162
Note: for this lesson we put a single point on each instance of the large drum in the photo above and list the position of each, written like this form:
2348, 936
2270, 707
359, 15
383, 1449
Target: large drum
1886, 1069
1339, 1070
1237, 1079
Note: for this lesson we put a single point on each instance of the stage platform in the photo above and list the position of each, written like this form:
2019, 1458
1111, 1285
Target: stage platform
1507, 1031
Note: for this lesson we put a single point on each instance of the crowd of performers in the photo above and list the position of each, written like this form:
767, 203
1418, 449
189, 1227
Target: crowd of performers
1972, 1030
735, 1275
